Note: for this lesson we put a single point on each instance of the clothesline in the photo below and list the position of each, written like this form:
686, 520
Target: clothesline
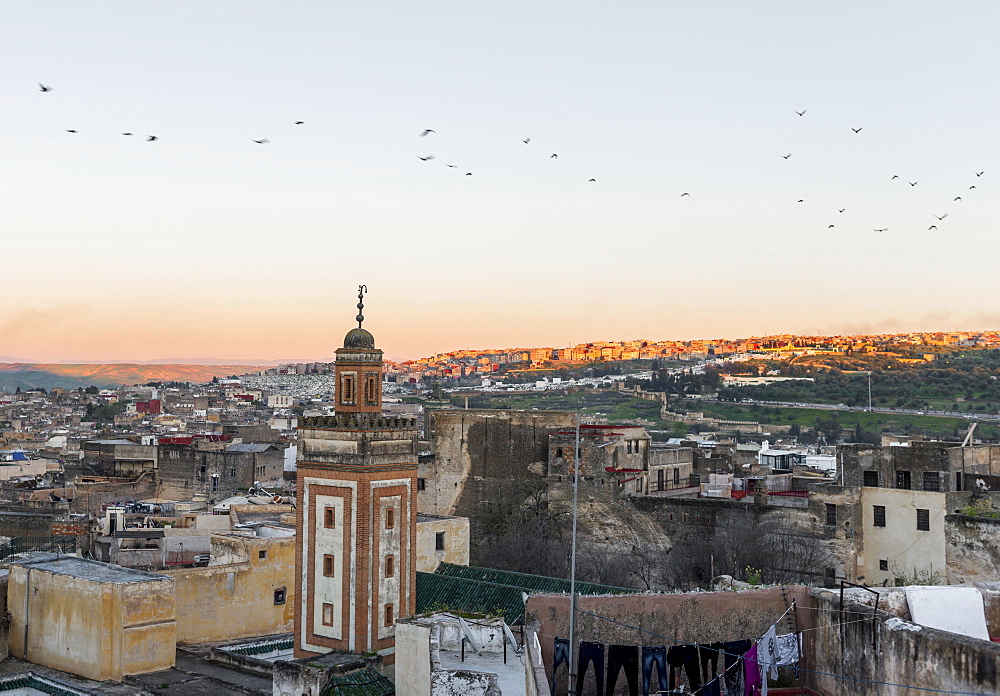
803, 669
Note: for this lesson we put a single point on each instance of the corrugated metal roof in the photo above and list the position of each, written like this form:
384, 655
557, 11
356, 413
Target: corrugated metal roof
362, 682
490, 591
246, 447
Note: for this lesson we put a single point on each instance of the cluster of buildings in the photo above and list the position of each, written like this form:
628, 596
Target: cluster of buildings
231, 538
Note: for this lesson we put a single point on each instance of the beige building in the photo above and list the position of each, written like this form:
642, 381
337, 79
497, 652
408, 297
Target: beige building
904, 534
247, 591
441, 539
91, 619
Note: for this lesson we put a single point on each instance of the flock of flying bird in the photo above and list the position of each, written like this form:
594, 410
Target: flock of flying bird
526, 141
894, 177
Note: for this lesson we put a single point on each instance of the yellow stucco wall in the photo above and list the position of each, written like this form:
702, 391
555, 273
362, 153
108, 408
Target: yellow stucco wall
236, 599
456, 542
96, 629
905, 548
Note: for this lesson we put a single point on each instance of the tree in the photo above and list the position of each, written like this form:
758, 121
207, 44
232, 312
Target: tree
829, 428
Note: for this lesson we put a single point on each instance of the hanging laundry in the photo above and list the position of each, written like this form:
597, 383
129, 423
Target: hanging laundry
560, 654
767, 657
733, 665
623, 657
709, 661
712, 688
789, 652
685, 656
590, 653
654, 655
751, 671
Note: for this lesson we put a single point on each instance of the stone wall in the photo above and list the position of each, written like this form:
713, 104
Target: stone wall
482, 455
972, 547
867, 654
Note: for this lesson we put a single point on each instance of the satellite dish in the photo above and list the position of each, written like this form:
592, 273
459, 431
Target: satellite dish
510, 636
473, 643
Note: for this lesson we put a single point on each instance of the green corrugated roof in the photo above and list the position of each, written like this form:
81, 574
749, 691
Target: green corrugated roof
538, 583
489, 591
362, 682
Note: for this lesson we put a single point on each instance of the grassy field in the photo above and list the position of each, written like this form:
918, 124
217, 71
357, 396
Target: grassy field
618, 408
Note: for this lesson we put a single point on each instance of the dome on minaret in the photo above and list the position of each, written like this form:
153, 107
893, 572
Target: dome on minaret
359, 339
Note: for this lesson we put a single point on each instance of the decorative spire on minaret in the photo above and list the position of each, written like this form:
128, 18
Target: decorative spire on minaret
362, 289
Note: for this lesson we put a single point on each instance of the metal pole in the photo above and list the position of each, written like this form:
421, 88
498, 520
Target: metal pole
572, 565
869, 390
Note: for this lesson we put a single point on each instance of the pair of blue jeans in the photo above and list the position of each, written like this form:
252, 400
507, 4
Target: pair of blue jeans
560, 654
654, 655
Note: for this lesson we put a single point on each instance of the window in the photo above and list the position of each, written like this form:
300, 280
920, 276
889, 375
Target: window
327, 614
831, 514
347, 389
390, 614
903, 480
932, 481
390, 566
677, 476
883, 564
871, 479
421, 484
879, 520
215, 482
329, 517
279, 595
439, 541
201, 469
390, 518
923, 520
958, 480
232, 472
670, 516
262, 555
328, 565
708, 520
559, 453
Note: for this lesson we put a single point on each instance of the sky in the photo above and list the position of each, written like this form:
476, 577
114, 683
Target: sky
204, 243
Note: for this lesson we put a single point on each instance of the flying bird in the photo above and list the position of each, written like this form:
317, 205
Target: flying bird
932, 227
262, 141
840, 210
299, 123
553, 156
801, 200
894, 177
69, 130
958, 198
526, 141
591, 179
856, 130
801, 113
151, 138
786, 156
453, 166
971, 187
126, 134
44, 88
882, 229
980, 173
424, 159
427, 132
468, 173
685, 194
829, 227
912, 183
941, 217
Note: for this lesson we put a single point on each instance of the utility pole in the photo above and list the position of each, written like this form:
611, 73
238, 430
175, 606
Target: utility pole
869, 390
572, 564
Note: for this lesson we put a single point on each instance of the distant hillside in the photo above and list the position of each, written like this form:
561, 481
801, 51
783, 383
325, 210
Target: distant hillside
30, 376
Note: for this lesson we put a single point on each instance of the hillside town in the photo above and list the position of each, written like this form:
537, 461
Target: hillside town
233, 510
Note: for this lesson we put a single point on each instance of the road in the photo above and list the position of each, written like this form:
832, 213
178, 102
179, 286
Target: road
876, 409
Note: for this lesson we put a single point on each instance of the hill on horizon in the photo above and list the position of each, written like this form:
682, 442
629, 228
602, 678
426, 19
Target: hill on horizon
72, 376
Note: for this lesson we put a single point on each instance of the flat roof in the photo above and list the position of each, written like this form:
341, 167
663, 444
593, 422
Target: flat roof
86, 569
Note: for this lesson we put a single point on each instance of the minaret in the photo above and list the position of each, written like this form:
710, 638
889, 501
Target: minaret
355, 562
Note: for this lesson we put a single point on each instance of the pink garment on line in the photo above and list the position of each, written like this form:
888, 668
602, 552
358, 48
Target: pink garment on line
751, 672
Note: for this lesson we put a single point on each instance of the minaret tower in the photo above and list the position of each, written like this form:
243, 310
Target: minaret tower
355, 562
